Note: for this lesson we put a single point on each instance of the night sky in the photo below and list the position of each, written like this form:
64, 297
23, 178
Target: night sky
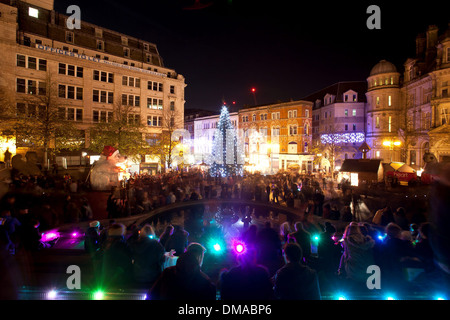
285, 49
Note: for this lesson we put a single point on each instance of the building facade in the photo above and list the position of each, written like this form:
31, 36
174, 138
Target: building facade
205, 132
402, 116
278, 136
94, 69
338, 122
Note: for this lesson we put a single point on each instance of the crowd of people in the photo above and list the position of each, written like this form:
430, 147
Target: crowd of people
145, 192
300, 260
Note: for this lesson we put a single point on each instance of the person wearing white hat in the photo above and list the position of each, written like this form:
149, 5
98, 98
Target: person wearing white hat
92, 237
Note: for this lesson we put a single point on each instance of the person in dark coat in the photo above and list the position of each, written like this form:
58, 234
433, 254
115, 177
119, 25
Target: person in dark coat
148, 257
247, 281
116, 258
166, 235
92, 241
178, 241
268, 243
185, 280
302, 237
329, 253
295, 281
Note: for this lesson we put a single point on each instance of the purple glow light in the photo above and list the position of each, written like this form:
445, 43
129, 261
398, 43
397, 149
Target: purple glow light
49, 236
239, 247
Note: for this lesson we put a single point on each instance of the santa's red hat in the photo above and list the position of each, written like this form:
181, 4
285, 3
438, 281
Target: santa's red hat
109, 151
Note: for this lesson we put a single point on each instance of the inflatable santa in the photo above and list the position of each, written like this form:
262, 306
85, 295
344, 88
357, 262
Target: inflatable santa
105, 173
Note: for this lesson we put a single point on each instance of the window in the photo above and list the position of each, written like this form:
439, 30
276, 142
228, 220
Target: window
172, 89
448, 54
377, 122
275, 115
346, 112
146, 47
445, 93
70, 114
155, 86
69, 36
306, 129
378, 101
21, 61
307, 113
346, 98
31, 62
126, 52
131, 81
148, 58
33, 12
130, 100
104, 76
292, 130
70, 92
275, 131
30, 86
444, 116
102, 116
354, 112
172, 105
354, 127
134, 118
124, 41
390, 101
102, 96
70, 70
100, 45
390, 123
355, 98
346, 127
254, 117
377, 154
153, 103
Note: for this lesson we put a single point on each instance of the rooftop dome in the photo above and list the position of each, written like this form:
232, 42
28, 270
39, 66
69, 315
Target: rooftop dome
383, 67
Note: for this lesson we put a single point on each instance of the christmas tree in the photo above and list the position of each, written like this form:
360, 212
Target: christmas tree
227, 152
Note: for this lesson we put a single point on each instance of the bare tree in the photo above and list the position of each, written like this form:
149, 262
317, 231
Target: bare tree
165, 144
38, 120
121, 128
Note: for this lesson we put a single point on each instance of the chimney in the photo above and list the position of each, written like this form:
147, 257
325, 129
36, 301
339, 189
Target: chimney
432, 38
421, 42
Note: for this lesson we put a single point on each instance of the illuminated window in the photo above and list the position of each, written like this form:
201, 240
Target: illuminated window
390, 123
354, 112
390, 101
33, 12
377, 154
346, 112
377, 123
378, 101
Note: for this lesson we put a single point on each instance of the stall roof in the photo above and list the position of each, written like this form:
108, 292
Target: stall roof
361, 165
